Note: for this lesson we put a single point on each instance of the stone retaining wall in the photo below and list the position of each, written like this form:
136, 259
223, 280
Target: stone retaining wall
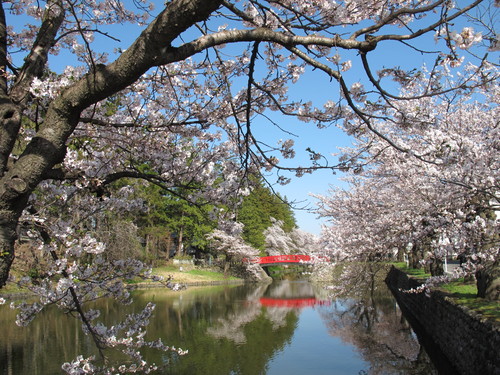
471, 343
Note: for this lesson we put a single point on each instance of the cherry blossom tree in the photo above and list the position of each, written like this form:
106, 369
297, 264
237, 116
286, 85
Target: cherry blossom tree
228, 241
78, 112
439, 201
279, 242
129, 98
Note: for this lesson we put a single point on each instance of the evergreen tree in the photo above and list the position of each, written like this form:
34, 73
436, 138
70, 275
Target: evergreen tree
173, 223
257, 211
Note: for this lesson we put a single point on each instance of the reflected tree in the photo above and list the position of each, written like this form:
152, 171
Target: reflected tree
366, 316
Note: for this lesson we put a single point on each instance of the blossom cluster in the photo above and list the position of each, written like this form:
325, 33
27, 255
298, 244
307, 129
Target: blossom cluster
433, 195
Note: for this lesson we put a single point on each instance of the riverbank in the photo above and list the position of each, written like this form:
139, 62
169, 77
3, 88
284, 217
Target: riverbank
191, 275
187, 275
469, 340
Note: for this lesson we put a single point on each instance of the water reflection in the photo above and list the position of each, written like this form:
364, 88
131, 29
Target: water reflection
288, 294
280, 328
226, 330
366, 315
40, 348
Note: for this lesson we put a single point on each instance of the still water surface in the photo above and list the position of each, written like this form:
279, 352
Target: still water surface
283, 328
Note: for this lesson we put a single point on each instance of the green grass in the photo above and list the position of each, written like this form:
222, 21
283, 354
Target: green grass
11, 288
190, 274
461, 292
460, 287
418, 273
465, 294
489, 310
211, 274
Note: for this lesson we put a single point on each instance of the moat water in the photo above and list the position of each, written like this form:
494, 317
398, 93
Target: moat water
287, 327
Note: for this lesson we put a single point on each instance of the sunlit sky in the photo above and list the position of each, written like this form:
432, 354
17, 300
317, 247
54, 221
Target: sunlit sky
316, 87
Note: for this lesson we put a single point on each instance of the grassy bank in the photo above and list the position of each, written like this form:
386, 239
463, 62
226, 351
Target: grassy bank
461, 292
189, 275
192, 275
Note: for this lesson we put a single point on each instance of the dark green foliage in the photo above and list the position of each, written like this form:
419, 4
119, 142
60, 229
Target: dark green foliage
257, 211
171, 216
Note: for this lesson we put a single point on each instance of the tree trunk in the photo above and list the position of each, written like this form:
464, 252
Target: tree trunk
167, 245
400, 256
488, 281
10, 205
10, 211
436, 267
7, 239
179, 242
227, 264
415, 256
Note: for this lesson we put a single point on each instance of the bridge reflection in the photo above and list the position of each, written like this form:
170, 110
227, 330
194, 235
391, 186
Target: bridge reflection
292, 302
292, 295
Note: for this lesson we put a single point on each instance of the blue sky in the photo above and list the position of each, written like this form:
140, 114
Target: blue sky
316, 87
325, 141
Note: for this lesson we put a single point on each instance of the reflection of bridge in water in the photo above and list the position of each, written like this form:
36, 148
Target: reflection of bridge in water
292, 302
291, 295
286, 259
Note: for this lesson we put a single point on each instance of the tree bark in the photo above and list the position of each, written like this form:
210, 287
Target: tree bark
488, 281
180, 241
7, 240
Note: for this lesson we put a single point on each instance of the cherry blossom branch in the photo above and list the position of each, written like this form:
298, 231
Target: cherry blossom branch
394, 16
345, 90
462, 85
76, 300
79, 309
99, 122
83, 30
35, 62
427, 29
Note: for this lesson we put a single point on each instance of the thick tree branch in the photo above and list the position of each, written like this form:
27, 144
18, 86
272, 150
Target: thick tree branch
260, 34
47, 148
34, 64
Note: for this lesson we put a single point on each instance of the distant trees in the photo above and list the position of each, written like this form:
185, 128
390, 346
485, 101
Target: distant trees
170, 218
296, 241
259, 210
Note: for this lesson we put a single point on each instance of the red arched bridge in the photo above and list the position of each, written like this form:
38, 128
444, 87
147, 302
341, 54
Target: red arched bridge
286, 259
